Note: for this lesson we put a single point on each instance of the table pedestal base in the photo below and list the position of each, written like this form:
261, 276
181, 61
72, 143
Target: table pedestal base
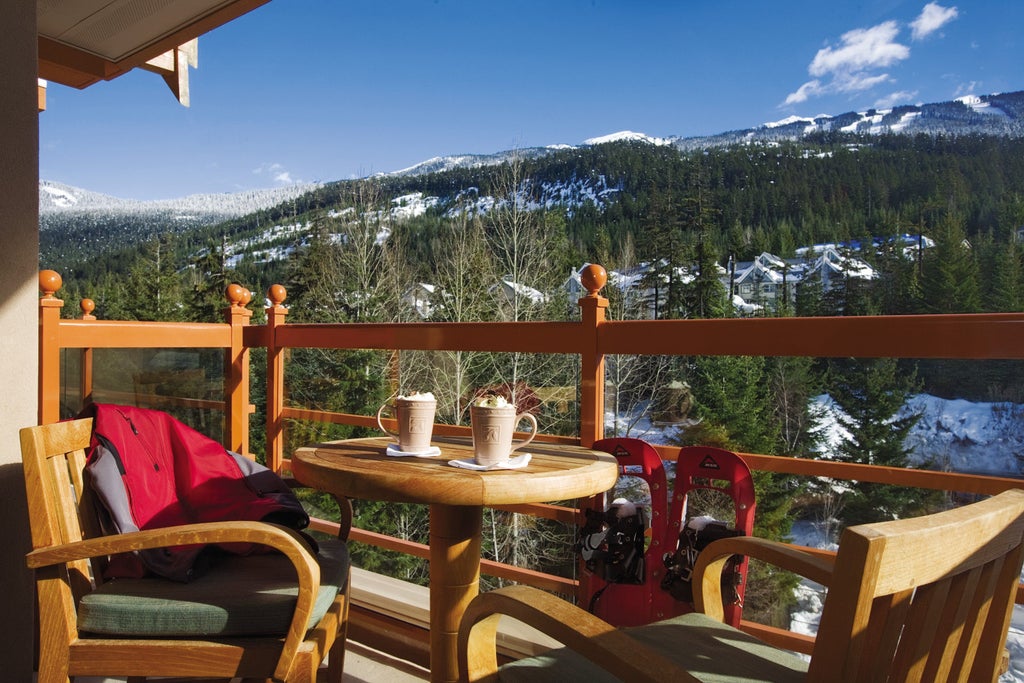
455, 533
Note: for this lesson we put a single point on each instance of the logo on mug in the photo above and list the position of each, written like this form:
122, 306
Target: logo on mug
492, 433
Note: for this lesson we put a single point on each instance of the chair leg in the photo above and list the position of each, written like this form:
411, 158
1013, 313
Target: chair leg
52, 672
336, 654
336, 659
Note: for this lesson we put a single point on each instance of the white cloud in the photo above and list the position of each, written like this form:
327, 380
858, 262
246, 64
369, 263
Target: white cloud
933, 17
851, 66
856, 82
808, 89
861, 49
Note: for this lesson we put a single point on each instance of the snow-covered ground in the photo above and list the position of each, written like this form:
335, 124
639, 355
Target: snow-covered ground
953, 435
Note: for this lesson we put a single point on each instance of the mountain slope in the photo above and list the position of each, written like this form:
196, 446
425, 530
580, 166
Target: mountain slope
999, 114
57, 198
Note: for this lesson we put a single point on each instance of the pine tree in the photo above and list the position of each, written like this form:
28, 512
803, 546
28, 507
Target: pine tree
1007, 291
154, 279
870, 394
950, 275
704, 296
732, 393
663, 247
207, 281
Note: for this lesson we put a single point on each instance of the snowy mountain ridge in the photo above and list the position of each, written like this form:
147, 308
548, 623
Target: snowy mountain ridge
59, 198
996, 114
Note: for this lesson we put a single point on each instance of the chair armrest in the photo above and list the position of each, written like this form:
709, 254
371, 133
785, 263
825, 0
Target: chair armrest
707, 573
280, 538
272, 535
593, 638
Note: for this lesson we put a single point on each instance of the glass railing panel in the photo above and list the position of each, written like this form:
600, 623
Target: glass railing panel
186, 383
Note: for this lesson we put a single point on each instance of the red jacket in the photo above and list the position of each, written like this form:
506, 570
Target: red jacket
150, 471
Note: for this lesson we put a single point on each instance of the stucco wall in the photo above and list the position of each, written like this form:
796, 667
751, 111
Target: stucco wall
19, 245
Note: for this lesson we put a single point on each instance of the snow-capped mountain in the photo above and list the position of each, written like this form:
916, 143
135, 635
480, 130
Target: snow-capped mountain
59, 198
629, 136
997, 114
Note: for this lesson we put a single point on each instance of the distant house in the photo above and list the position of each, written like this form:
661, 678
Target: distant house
765, 280
832, 269
514, 292
753, 286
768, 279
421, 297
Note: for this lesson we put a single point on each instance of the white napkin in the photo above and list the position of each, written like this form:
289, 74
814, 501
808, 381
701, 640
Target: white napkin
395, 452
515, 463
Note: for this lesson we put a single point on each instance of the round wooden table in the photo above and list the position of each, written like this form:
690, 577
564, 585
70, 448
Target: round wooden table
358, 468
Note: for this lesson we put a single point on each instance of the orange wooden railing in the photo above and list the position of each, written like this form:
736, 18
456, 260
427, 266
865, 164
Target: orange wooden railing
592, 338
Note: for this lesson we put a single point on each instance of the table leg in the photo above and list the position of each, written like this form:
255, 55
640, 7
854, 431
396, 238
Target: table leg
455, 533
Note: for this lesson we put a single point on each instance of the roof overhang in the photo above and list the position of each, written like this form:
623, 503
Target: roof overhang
82, 42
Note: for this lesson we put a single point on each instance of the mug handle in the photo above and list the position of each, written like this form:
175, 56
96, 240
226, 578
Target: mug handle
381, 424
533, 432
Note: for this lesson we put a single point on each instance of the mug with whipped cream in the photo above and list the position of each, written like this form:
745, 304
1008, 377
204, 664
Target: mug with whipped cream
415, 416
494, 420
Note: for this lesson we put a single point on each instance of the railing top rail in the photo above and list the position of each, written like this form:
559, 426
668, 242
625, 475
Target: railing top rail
528, 337
963, 336
976, 335
117, 334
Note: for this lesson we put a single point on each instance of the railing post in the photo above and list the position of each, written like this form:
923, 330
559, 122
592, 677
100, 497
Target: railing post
85, 380
236, 372
275, 378
592, 309
49, 347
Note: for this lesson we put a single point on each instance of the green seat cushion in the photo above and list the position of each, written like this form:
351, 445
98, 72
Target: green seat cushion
252, 595
711, 651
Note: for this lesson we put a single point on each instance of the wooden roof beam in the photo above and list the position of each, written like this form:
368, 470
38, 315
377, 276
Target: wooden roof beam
173, 67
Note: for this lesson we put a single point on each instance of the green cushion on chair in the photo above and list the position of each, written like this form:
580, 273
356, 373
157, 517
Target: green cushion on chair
711, 651
240, 596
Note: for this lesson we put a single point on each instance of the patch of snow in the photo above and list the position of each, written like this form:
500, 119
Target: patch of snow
904, 121
789, 120
627, 135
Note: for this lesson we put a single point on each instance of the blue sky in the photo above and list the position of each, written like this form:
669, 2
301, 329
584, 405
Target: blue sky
321, 90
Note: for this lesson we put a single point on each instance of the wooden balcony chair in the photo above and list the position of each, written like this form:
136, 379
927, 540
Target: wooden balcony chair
928, 598
266, 616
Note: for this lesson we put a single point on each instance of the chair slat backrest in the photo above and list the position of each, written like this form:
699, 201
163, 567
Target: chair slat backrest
928, 598
61, 508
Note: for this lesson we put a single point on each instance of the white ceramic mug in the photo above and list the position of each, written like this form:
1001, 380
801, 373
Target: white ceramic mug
415, 418
492, 433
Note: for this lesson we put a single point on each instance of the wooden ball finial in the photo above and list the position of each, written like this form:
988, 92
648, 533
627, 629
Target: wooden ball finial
234, 293
87, 306
593, 278
49, 281
277, 294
